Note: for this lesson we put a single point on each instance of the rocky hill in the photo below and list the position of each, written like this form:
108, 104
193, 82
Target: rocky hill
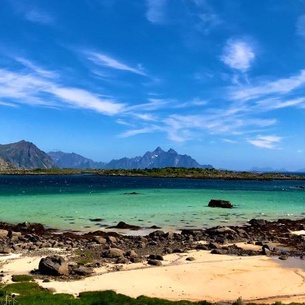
5, 165
25, 154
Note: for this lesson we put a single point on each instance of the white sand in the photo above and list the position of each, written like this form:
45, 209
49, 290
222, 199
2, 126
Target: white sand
210, 277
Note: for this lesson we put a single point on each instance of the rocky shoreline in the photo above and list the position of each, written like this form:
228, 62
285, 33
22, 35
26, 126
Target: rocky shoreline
95, 249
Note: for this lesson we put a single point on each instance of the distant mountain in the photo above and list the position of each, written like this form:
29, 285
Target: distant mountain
72, 160
156, 159
25, 154
268, 170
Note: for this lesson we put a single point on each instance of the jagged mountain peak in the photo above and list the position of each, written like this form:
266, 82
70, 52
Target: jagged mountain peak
158, 150
172, 151
156, 159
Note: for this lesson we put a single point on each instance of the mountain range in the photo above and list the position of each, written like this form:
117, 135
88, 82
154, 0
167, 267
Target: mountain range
26, 155
155, 159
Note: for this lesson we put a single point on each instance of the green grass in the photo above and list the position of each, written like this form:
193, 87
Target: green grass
29, 293
22, 278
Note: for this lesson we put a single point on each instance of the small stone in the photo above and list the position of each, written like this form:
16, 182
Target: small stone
190, 258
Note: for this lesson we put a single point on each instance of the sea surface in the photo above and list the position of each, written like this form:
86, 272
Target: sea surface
90, 202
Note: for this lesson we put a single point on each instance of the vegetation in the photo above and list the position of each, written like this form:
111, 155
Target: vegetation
168, 172
26, 293
22, 278
32, 294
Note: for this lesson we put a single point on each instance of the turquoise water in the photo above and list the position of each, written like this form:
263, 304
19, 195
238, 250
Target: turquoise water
72, 202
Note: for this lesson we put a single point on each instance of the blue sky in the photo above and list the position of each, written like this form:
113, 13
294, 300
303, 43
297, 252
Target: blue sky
220, 80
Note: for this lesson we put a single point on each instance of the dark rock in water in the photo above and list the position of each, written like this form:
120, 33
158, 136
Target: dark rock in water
96, 219
53, 265
124, 225
132, 193
154, 227
219, 203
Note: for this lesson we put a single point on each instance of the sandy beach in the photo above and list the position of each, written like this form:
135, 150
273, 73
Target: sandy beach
208, 277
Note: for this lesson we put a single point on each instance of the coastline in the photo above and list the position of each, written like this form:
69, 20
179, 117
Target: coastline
187, 265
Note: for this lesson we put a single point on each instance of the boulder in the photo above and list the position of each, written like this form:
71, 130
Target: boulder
3, 233
257, 222
154, 262
219, 203
83, 271
156, 257
124, 225
114, 253
131, 254
53, 265
5, 250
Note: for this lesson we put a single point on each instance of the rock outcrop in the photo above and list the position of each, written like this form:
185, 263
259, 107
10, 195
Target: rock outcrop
219, 203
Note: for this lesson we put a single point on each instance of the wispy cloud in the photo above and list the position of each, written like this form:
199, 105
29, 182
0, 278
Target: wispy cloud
107, 61
8, 104
238, 55
35, 68
35, 89
206, 18
229, 141
156, 11
300, 26
145, 130
152, 105
32, 13
37, 16
275, 103
281, 86
270, 142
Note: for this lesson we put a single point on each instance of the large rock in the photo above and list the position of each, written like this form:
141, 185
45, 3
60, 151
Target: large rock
114, 253
219, 203
3, 233
53, 265
124, 225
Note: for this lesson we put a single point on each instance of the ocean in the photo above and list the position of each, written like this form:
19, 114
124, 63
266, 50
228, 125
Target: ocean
92, 202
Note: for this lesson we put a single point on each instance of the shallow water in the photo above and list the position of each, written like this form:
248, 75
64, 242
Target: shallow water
72, 202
